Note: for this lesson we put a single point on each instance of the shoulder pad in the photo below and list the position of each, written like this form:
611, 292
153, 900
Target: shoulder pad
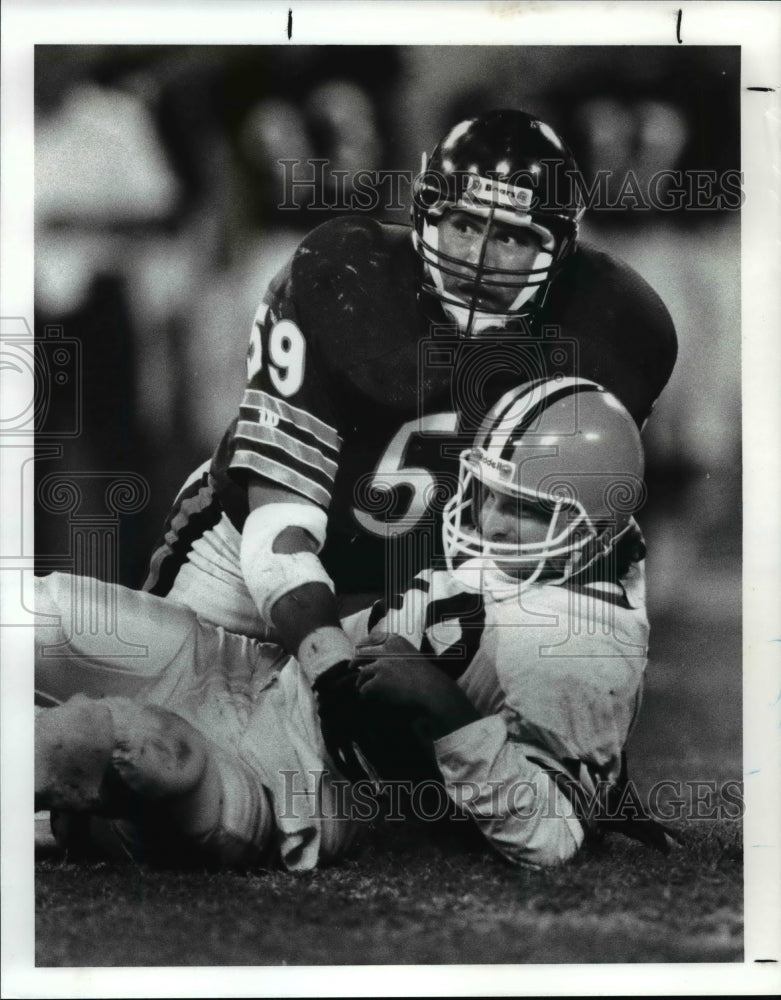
347, 238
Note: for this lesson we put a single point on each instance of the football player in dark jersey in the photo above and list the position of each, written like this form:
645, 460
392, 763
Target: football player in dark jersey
372, 358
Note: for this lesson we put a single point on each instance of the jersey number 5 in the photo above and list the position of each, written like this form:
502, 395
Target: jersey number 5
286, 351
391, 473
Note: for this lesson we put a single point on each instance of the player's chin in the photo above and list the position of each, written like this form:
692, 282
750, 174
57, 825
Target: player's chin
552, 569
483, 301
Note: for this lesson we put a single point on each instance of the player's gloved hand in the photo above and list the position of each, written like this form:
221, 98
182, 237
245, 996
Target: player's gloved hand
366, 737
338, 705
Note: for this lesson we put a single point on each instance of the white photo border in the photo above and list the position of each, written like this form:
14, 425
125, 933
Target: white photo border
753, 26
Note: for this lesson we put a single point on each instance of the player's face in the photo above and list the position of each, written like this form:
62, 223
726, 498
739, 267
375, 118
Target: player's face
513, 248
507, 519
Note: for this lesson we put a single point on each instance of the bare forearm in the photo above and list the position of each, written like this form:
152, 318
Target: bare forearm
303, 610
309, 607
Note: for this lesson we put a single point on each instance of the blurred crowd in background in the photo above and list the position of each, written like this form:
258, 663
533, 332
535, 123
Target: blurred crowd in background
158, 227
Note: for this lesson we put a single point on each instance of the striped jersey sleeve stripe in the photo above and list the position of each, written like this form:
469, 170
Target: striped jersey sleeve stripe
275, 453
260, 434
258, 417
281, 474
324, 433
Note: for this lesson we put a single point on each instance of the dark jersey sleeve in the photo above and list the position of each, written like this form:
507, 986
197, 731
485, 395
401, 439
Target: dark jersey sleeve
624, 336
286, 432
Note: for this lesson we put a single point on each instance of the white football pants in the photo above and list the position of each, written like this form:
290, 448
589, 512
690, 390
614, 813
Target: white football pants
248, 697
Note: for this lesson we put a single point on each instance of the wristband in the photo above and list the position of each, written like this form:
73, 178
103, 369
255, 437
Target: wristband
322, 649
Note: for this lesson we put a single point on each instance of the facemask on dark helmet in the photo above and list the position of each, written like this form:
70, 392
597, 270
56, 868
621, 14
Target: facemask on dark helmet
563, 448
506, 169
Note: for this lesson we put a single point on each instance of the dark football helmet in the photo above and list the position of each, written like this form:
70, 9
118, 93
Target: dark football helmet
565, 447
506, 167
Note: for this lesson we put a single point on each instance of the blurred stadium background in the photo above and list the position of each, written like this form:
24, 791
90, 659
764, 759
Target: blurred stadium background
158, 227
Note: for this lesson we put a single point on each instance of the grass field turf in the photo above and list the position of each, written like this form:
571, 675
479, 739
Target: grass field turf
405, 900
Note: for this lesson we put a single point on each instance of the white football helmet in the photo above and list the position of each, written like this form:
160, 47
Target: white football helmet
565, 446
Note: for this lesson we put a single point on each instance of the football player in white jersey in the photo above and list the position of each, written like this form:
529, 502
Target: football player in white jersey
535, 639
518, 670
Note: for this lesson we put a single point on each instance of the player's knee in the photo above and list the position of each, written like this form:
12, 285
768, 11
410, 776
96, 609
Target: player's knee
157, 753
73, 747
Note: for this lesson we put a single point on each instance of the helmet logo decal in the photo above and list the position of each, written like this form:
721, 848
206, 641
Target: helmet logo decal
481, 189
503, 469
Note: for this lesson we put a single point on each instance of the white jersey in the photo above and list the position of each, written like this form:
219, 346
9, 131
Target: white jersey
555, 672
